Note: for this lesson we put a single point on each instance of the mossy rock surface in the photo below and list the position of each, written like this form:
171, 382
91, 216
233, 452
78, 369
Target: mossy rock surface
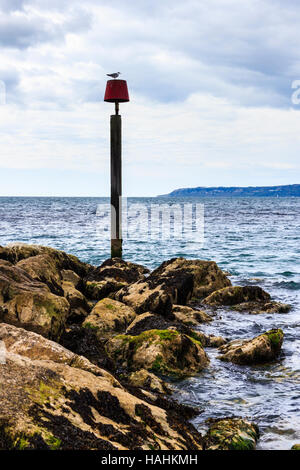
231, 434
166, 352
262, 349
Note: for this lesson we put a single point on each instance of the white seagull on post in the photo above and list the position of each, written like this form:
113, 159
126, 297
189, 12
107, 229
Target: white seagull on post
114, 75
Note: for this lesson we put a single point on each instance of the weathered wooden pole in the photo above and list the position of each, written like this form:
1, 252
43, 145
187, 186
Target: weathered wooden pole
116, 184
116, 92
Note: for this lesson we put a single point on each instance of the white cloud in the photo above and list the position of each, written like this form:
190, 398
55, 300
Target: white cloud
210, 85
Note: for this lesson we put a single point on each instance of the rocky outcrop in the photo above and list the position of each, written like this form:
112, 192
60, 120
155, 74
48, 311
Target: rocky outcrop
29, 303
263, 348
34, 291
111, 276
174, 282
236, 295
51, 398
149, 321
231, 434
167, 352
190, 278
296, 447
190, 316
109, 316
252, 299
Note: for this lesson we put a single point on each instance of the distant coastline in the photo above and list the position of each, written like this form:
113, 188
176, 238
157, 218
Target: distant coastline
290, 190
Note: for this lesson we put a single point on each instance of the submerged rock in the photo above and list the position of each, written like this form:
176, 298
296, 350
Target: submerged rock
175, 282
231, 434
257, 308
51, 398
111, 276
252, 299
167, 352
263, 348
109, 316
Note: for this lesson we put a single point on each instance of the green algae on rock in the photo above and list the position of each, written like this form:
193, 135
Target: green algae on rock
166, 352
262, 349
231, 434
51, 398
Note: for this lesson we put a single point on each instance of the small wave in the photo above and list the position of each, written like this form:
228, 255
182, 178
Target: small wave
290, 285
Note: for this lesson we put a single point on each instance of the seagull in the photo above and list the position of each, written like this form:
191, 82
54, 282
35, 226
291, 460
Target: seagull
114, 75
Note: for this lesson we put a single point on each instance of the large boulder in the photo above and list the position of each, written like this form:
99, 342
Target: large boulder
29, 303
263, 348
234, 295
231, 434
149, 321
175, 282
109, 316
188, 279
252, 299
44, 264
51, 398
19, 251
38, 288
166, 352
111, 276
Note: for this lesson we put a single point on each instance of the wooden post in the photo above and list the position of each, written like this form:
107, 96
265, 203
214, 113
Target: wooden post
116, 184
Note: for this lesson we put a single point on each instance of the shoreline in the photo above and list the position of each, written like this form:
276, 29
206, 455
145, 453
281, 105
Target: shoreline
139, 328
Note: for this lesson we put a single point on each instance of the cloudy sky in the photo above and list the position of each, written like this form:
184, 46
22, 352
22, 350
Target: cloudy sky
210, 83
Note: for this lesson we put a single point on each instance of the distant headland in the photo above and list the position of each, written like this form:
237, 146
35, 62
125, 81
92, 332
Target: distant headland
290, 190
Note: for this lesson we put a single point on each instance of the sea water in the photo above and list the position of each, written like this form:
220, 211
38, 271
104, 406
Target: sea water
256, 239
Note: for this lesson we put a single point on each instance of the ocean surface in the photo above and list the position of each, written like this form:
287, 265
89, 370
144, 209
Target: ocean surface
256, 239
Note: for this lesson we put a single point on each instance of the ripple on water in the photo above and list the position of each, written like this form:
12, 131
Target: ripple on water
251, 238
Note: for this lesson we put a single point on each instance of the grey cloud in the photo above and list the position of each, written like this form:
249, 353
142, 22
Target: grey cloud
11, 5
22, 31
